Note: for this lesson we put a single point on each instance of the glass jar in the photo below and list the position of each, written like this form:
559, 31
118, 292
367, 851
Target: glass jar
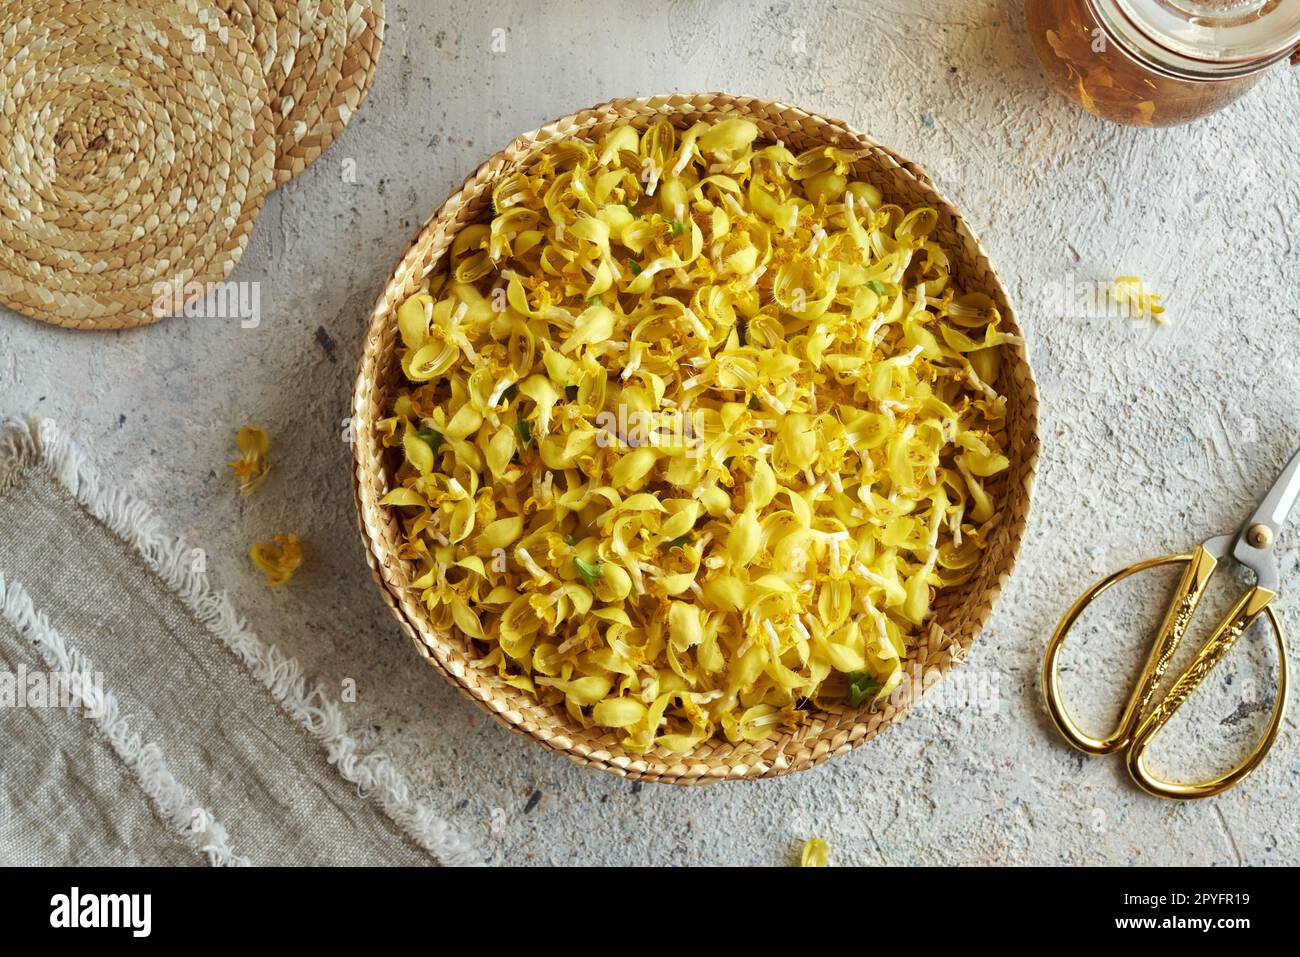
1160, 62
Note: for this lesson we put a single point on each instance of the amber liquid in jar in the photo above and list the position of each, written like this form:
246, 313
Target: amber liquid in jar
1091, 69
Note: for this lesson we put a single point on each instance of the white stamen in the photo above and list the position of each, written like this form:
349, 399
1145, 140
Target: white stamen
776, 404
771, 636
530, 566
498, 392
464, 343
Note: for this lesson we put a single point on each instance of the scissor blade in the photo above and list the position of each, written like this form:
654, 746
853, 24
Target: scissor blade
1281, 498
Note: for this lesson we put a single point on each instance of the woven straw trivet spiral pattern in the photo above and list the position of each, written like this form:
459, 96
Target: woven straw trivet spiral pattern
319, 57
270, 25
959, 613
138, 150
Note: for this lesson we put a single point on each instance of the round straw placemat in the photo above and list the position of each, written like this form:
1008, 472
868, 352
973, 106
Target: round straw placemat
326, 54
139, 149
959, 612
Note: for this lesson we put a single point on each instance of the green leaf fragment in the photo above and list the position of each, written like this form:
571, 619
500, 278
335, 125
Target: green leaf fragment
589, 571
861, 687
431, 438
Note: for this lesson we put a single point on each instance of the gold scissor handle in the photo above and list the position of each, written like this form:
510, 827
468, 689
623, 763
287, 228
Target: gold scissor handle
1135, 732
1249, 607
1200, 566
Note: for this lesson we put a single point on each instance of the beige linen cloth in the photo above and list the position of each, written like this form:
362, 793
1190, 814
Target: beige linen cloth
189, 740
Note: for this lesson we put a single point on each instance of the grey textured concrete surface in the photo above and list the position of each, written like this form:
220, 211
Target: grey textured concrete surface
1153, 437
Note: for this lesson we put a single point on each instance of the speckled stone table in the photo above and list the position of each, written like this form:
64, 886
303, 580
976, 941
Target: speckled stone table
1153, 436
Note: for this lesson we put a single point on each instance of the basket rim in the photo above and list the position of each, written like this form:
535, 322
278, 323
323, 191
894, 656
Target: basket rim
657, 766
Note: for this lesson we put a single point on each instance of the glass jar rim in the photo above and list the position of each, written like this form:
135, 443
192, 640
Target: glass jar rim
1189, 40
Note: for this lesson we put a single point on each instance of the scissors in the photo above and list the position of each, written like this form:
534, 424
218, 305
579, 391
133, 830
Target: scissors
1251, 546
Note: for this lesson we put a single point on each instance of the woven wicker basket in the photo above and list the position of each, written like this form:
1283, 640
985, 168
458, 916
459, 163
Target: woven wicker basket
959, 614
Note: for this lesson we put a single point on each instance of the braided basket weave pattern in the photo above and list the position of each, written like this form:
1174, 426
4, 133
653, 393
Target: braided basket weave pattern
138, 148
959, 613
140, 138
318, 58
320, 82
